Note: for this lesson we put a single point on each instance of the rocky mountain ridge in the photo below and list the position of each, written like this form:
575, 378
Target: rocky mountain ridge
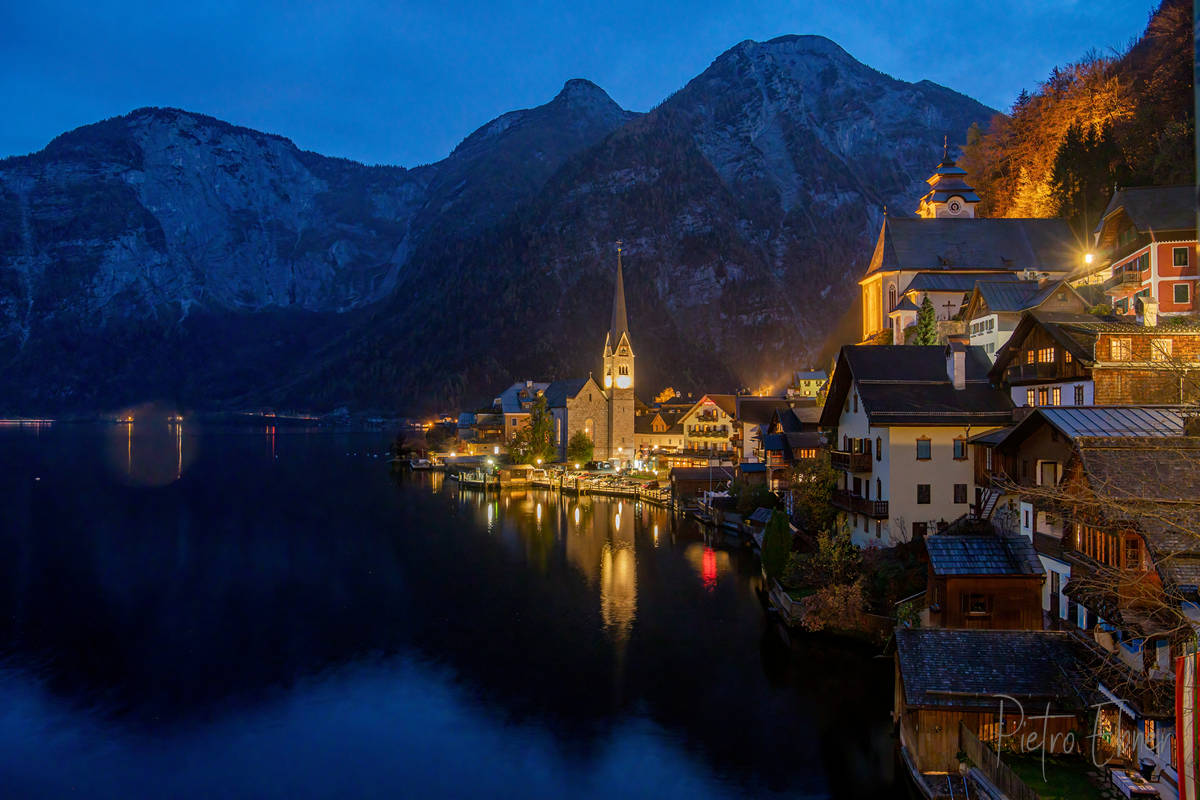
167, 255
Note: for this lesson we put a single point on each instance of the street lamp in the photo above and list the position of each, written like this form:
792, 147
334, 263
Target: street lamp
539, 461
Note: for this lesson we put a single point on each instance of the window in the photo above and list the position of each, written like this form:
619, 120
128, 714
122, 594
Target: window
1079, 395
960, 449
960, 493
1026, 525
924, 449
1182, 295
976, 605
1030, 356
878, 489
923, 494
1160, 349
891, 297
987, 457
1043, 396
1179, 256
1150, 734
1119, 348
1067, 356
1045, 355
1056, 396
1133, 553
1030, 397
856, 402
878, 529
878, 449
919, 530
1048, 473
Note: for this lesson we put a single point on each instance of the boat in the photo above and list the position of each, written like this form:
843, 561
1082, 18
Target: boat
420, 463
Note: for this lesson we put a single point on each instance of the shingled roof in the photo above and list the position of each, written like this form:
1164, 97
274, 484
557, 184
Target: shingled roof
982, 554
946, 243
558, 392
968, 669
909, 385
1154, 208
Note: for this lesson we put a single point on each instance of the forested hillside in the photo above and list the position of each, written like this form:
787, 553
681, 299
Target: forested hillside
1123, 118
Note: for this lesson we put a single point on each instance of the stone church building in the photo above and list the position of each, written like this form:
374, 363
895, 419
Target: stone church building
603, 410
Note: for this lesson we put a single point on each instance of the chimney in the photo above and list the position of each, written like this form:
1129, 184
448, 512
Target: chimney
956, 364
1149, 312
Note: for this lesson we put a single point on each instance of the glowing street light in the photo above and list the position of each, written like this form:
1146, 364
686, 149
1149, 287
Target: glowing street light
1089, 258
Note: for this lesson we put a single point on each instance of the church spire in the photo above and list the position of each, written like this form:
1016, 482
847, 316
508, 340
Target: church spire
620, 323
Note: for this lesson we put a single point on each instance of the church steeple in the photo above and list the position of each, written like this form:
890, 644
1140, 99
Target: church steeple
618, 348
949, 194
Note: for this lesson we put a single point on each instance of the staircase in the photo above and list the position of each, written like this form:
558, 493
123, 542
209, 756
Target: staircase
987, 504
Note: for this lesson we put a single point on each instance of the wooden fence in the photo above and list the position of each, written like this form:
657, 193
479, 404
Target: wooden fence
996, 771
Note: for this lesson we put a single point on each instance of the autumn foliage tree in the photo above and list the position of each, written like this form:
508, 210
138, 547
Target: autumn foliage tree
1123, 118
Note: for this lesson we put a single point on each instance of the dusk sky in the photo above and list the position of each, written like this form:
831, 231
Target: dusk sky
403, 83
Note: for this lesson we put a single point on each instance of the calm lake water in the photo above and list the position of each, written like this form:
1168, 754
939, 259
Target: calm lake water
219, 613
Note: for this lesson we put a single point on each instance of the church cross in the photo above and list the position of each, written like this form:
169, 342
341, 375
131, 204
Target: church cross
949, 309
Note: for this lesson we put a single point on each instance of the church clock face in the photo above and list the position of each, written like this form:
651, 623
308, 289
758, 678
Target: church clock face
955, 206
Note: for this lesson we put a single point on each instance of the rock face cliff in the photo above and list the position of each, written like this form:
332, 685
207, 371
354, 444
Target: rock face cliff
169, 256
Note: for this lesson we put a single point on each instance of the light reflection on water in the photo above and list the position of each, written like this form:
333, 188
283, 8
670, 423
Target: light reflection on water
281, 618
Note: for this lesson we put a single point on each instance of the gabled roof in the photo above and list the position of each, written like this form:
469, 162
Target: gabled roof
811, 375
905, 304
510, 400
1154, 208
909, 385
968, 668
758, 410
982, 554
559, 392
725, 402
1010, 245
958, 281
1074, 422
1015, 296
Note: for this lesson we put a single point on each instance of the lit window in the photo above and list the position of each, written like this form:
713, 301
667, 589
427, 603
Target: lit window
924, 450
1030, 356
1119, 348
1030, 397
1045, 355
1182, 295
1151, 735
1043, 396
1160, 349
1056, 396
1067, 358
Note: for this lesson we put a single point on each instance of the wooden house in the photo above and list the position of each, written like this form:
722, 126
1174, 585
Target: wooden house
984, 580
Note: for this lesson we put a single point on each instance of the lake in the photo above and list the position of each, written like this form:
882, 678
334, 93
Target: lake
197, 613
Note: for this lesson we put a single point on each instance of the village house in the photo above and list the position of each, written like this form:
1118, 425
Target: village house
944, 250
752, 415
807, 384
903, 417
949, 684
1055, 359
709, 427
1146, 249
995, 308
982, 578
1131, 508
658, 429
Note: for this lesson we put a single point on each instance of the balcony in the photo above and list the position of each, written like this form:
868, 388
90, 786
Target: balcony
700, 433
1021, 373
1125, 282
851, 462
847, 501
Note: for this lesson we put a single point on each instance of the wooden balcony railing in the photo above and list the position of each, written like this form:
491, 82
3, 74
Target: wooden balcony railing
847, 501
851, 462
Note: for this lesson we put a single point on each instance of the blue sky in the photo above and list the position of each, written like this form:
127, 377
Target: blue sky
402, 83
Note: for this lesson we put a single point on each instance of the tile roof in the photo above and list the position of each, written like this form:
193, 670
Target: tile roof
510, 401
909, 385
982, 554
958, 281
558, 392
967, 669
1155, 208
759, 410
977, 244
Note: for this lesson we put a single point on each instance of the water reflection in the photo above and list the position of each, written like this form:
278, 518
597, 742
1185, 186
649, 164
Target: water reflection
242, 628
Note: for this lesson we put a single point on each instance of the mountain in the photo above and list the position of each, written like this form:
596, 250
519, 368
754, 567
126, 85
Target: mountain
165, 255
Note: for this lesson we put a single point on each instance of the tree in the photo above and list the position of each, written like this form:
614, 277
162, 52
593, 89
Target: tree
813, 482
535, 440
927, 331
750, 496
776, 546
580, 448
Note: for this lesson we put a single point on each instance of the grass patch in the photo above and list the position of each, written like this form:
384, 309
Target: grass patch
1066, 778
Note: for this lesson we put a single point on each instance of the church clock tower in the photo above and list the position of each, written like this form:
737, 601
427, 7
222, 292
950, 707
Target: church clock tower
618, 377
949, 193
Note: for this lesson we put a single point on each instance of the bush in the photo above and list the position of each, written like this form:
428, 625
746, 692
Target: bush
777, 545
